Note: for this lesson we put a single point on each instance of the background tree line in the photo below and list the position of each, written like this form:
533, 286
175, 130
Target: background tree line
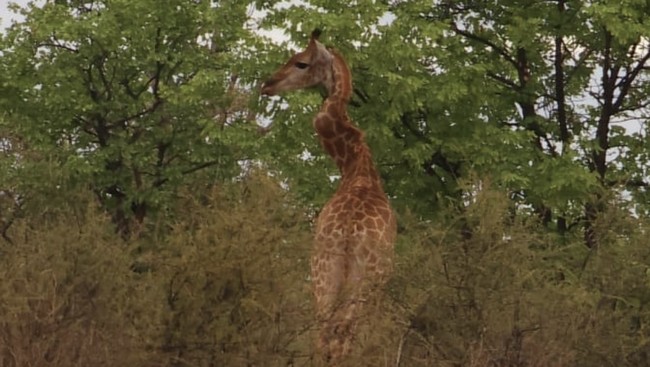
510, 135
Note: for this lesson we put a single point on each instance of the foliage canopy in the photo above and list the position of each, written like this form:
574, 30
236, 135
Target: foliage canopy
510, 135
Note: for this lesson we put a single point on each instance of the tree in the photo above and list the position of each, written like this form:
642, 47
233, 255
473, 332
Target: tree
126, 98
533, 94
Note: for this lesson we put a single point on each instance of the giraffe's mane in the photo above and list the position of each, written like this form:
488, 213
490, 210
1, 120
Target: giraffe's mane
346, 93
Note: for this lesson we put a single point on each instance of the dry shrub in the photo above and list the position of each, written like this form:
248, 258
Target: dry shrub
225, 284
223, 281
487, 290
235, 273
66, 294
618, 272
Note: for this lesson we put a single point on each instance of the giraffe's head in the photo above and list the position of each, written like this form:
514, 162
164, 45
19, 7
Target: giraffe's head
308, 68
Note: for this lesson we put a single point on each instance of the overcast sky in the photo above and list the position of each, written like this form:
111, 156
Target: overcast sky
5, 15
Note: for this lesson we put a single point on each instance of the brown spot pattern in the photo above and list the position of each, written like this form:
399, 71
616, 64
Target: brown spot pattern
356, 229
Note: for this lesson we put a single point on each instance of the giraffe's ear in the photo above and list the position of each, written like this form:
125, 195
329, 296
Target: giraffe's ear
315, 34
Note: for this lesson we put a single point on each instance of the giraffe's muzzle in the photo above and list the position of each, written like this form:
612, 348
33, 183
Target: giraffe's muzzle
267, 87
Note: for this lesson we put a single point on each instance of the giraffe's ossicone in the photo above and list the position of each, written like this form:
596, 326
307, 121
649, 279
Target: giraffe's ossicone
355, 231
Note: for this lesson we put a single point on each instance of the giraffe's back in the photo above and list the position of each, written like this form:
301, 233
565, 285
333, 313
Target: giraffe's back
357, 225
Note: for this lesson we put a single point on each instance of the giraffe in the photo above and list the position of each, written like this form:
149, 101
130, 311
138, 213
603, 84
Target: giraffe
355, 231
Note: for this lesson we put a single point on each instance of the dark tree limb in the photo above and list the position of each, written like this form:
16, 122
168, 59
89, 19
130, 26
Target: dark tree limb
560, 84
498, 49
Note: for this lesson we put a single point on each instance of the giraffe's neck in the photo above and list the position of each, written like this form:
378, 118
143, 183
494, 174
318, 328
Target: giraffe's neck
343, 141
338, 81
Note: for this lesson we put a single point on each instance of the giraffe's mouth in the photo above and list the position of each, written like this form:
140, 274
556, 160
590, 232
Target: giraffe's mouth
267, 87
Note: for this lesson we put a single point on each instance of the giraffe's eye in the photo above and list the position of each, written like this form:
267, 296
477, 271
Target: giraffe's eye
301, 65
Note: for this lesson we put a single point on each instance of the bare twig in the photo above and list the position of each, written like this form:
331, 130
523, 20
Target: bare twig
400, 348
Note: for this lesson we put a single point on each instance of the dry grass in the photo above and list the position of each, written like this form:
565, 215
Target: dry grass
223, 282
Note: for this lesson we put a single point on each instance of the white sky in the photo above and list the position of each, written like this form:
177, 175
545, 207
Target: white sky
6, 16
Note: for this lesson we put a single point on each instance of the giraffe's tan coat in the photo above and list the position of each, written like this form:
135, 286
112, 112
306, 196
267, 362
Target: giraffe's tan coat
355, 231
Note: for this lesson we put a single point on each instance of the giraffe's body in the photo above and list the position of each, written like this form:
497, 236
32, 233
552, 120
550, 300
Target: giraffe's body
355, 231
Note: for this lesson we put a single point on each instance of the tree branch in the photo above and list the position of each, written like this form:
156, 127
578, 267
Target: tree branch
198, 167
500, 50
55, 44
560, 84
504, 80
154, 106
625, 85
